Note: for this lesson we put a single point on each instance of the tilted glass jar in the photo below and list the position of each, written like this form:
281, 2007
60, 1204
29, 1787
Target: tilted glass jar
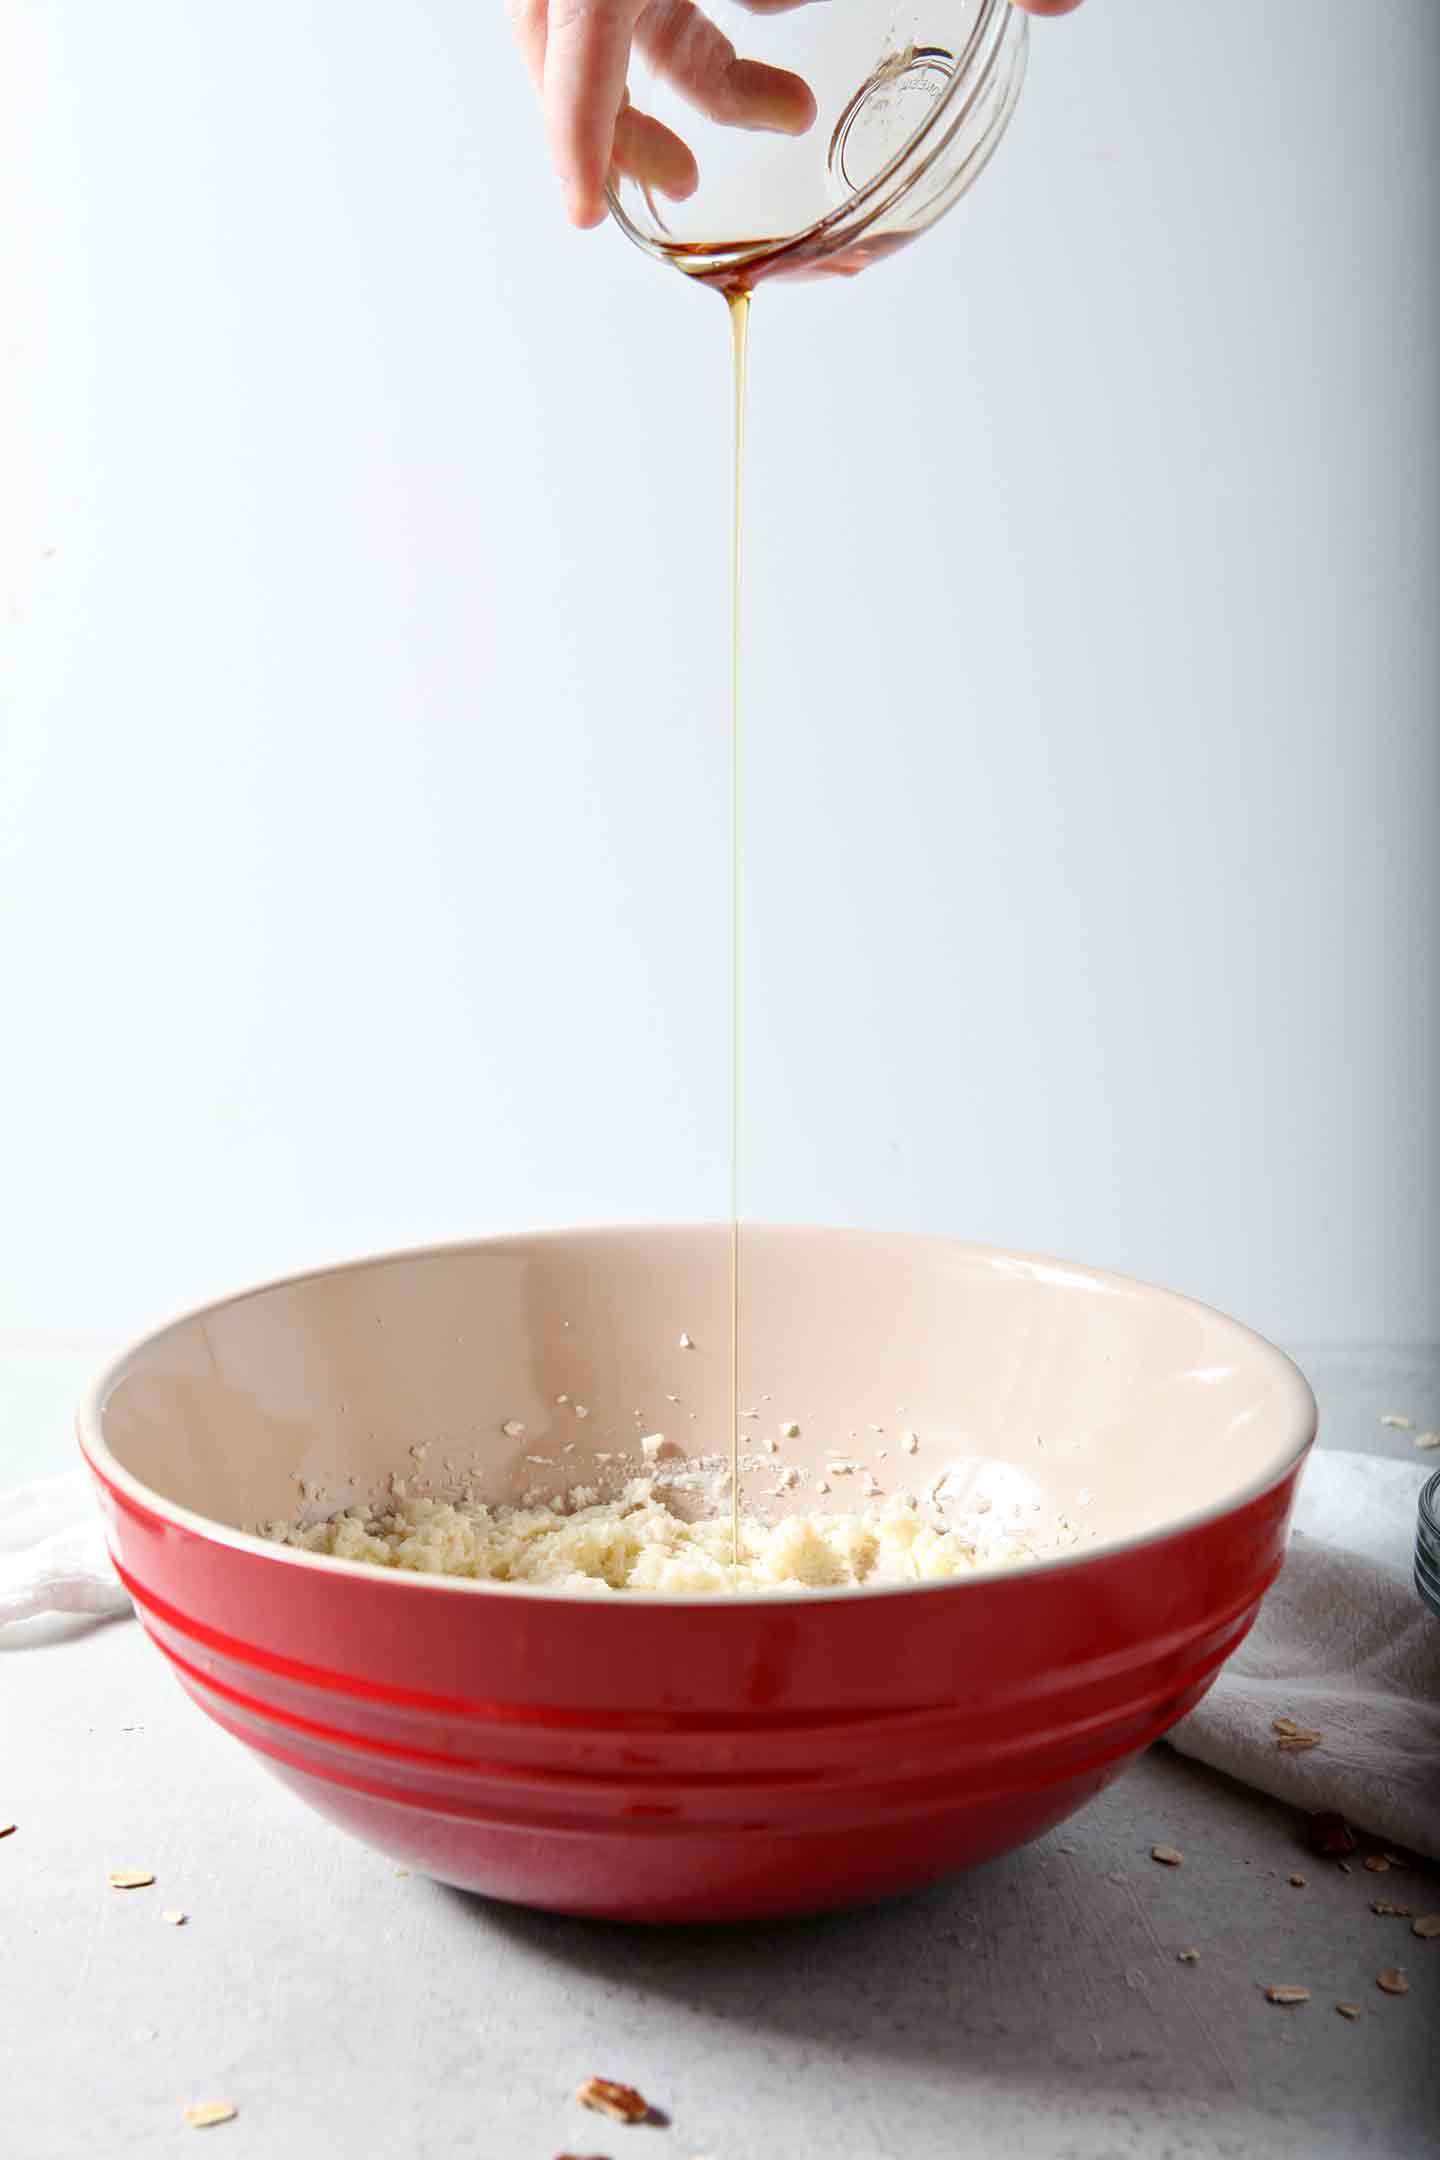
910, 101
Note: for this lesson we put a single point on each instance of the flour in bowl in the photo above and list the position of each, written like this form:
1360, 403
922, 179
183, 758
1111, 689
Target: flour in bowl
636, 1542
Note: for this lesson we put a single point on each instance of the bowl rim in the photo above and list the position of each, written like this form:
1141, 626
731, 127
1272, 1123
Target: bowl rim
1304, 1418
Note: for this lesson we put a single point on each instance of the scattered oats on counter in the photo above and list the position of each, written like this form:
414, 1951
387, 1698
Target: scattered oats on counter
1287, 1994
210, 2112
1167, 1856
129, 1878
636, 1542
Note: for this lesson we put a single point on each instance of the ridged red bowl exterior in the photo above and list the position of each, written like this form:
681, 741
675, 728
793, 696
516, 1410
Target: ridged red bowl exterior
700, 1761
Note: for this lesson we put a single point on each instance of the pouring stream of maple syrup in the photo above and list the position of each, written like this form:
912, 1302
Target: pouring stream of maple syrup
755, 262
739, 306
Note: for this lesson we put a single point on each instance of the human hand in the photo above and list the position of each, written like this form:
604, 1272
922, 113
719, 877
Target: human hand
578, 55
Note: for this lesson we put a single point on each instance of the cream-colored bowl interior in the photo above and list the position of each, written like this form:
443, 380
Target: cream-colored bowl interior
1047, 1387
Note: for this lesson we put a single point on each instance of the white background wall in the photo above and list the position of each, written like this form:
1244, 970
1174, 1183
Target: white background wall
362, 834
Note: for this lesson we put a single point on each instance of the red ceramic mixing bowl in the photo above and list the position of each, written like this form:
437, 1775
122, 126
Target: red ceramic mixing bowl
668, 1758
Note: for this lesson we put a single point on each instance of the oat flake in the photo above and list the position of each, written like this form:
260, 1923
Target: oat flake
210, 2112
1287, 1994
1392, 1981
1167, 1856
126, 1878
1427, 1927
1348, 2010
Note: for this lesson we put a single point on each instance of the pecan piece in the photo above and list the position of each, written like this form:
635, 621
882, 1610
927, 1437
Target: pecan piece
620, 2102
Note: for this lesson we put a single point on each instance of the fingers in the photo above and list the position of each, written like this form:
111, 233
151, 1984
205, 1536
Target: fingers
577, 53
649, 153
587, 50
700, 62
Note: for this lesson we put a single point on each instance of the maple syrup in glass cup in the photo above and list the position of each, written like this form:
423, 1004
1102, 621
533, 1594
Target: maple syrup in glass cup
910, 100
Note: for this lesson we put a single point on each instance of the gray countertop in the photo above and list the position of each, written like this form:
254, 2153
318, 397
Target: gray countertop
1037, 2006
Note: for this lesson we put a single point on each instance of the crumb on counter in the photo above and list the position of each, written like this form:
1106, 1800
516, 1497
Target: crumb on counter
621, 2103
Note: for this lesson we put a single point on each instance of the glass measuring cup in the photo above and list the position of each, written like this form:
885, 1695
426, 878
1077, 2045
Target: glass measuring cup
910, 99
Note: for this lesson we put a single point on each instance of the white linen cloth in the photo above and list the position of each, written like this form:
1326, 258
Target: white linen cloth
52, 1551
1343, 1644
1346, 1648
